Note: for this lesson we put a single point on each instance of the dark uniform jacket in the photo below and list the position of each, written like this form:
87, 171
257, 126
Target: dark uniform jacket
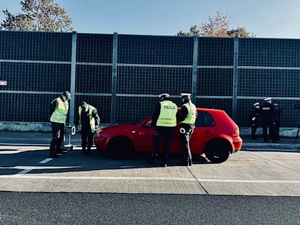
267, 112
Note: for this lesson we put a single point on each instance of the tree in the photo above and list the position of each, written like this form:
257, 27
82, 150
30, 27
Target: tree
239, 32
38, 15
194, 31
217, 26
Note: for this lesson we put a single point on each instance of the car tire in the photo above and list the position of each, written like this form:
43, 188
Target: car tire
217, 151
120, 148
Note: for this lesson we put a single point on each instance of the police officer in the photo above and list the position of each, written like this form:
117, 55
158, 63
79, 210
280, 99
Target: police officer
254, 120
87, 122
59, 109
187, 117
267, 112
277, 120
164, 118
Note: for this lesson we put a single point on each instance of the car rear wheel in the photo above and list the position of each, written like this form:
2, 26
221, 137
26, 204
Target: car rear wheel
217, 151
121, 148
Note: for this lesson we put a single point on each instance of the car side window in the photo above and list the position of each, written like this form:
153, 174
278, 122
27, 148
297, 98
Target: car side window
204, 119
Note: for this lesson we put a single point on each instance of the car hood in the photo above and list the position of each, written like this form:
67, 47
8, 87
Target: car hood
118, 126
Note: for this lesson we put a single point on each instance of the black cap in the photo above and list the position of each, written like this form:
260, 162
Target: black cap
67, 95
84, 106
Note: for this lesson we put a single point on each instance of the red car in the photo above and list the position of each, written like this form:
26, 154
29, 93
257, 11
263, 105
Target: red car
216, 135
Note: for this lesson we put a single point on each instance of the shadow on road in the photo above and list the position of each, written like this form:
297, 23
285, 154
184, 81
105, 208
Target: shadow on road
14, 161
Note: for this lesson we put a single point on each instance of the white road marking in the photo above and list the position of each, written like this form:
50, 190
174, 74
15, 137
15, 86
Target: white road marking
271, 149
45, 160
39, 167
152, 179
23, 172
22, 144
252, 181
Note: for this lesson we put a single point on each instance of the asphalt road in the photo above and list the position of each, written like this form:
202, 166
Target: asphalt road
90, 208
258, 185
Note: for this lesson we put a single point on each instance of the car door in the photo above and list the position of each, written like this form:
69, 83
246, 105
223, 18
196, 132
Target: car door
144, 136
176, 147
204, 127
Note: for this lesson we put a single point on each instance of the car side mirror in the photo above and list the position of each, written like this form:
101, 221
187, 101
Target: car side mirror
148, 124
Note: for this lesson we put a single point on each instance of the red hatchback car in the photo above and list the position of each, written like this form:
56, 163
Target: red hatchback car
216, 135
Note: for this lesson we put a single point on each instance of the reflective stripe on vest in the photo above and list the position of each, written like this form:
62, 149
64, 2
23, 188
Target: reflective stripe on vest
92, 120
191, 116
60, 113
167, 116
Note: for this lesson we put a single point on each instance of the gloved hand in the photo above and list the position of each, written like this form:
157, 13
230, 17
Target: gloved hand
97, 130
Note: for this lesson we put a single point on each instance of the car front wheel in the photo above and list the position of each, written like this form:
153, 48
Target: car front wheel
120, 148
217, 151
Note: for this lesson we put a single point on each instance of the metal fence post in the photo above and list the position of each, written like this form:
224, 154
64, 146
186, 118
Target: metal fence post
73, 78
195, 64
114, 79
235, 78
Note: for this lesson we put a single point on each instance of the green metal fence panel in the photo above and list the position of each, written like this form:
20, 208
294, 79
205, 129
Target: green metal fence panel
122, 75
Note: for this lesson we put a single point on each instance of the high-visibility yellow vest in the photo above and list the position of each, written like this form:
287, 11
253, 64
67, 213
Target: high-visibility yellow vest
167, 116
92, 120
60, 113
191, 116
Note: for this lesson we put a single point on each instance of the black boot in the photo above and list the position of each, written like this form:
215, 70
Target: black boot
183, 163
52, 152
59, 150
88, 151
151, 158
164, 163
83, 150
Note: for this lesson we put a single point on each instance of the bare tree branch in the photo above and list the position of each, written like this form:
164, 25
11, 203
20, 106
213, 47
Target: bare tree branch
217, 26
38, 15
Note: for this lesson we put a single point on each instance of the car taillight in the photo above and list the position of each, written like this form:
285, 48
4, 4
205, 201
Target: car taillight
235, 132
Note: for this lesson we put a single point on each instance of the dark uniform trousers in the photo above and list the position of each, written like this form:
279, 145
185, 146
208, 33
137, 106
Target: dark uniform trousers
268, 126
163, 134
185, 141
86, 138
58, 130
268, 121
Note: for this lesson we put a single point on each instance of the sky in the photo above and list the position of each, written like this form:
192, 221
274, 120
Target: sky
263, 18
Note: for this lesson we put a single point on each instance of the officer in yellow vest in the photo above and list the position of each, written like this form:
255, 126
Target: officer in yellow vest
164, 118
87, 122
186, 117
59, 109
